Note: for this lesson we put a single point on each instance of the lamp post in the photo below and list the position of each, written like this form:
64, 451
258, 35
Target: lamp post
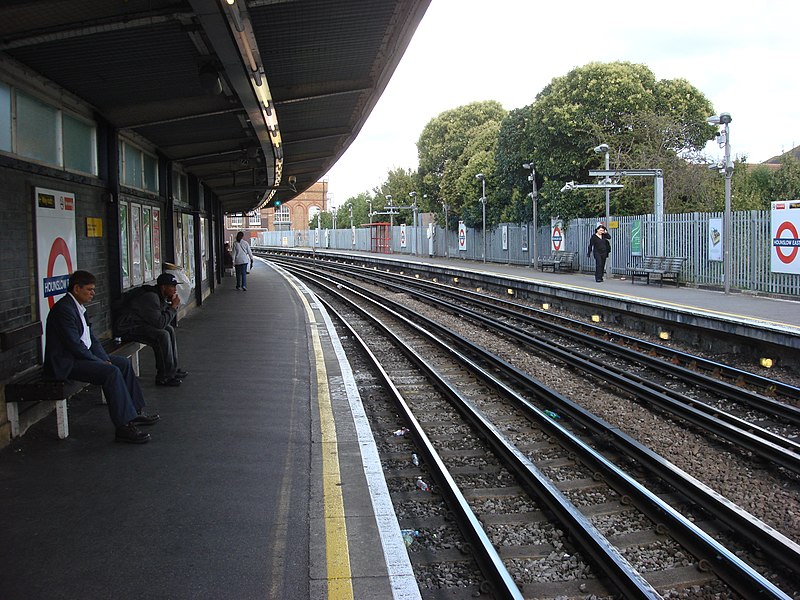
445, 207
603, 148
482, 179
413, 196
723, 121
370, 211
391, 212
352, 231
534, 209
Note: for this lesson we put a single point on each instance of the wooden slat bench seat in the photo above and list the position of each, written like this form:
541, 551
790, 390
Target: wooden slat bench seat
32, 385
658, 268
559, 261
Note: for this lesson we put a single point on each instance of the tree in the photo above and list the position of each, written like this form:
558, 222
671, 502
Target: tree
646, 123
453, 148
399, 184
360, 204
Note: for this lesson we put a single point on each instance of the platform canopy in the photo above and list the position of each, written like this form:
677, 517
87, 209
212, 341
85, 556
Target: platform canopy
257, 98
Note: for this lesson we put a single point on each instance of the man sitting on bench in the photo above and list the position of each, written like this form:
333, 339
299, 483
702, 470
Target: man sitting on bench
148, 315
73, 352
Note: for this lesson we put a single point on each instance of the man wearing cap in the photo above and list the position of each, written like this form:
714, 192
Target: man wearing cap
148, 315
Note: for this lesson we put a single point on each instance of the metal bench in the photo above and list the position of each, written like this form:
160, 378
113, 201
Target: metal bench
561, 260
658, 268
32, 385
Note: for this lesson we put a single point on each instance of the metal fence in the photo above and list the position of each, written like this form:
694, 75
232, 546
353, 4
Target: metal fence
508, 243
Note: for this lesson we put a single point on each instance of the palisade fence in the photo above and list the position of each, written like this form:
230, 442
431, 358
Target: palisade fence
684, 235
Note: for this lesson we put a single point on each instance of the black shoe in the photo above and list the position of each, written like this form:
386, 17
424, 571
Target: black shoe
180, 373
129, 434
244, 289
171, 382
143, 419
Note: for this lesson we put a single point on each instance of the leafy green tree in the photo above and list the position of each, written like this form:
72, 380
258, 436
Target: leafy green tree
399, 184
785, 182
360, 204
453, 148
646, 123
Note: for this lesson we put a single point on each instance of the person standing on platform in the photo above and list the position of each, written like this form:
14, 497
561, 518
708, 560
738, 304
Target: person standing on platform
600, 246
148, 314
73, 352
242, 256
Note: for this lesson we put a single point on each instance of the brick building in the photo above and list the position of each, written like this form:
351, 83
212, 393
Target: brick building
293, 215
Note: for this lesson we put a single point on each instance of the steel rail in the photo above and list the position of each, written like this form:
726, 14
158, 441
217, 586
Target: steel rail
674, 358
500, 581
625, 578
781, 451
712, 554
770, 446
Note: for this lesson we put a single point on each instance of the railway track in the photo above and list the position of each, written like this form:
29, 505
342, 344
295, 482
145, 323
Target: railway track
511, 472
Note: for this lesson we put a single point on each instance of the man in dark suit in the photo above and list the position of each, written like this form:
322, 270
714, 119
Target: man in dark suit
73, 352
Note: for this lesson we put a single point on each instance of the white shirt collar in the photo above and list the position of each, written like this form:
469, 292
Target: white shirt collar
86, 336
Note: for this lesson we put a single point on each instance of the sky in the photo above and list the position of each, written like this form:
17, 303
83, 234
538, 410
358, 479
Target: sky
743, 56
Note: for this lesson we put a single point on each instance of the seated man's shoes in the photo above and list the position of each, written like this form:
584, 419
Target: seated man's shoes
145, 419
180, 373
131, 435
170, 381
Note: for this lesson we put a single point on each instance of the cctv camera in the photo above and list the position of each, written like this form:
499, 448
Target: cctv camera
292, 179
601, 148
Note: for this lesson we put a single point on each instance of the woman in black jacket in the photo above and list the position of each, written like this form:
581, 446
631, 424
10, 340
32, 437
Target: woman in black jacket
601, 248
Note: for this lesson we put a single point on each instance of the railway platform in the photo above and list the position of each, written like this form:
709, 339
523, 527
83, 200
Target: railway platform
261, 479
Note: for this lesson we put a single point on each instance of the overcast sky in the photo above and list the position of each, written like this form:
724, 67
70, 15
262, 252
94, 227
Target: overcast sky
743, 56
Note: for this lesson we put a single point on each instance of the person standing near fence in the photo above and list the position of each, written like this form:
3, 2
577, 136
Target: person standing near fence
600, 246
242, 256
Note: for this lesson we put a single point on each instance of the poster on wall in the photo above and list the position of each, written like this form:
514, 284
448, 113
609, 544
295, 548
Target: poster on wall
402, 236
784, 229
136, 245
147, 243
188, 244
55, 246
504, 236
123, 245
524, 235
636, 238
178, 233
462, 236
715, 239
203, 251
157, 241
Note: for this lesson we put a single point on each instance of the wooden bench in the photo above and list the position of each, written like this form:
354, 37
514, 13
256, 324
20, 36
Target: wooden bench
559, 261
658, 268
32, 385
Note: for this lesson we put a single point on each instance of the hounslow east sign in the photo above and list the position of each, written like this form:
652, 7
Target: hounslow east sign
55, 244
784, 228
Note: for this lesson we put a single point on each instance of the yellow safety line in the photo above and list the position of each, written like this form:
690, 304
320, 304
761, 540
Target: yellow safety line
340, 578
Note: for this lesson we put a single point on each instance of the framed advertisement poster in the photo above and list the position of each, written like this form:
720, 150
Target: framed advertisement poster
156, 212
136, 245
147, 243
124, 252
